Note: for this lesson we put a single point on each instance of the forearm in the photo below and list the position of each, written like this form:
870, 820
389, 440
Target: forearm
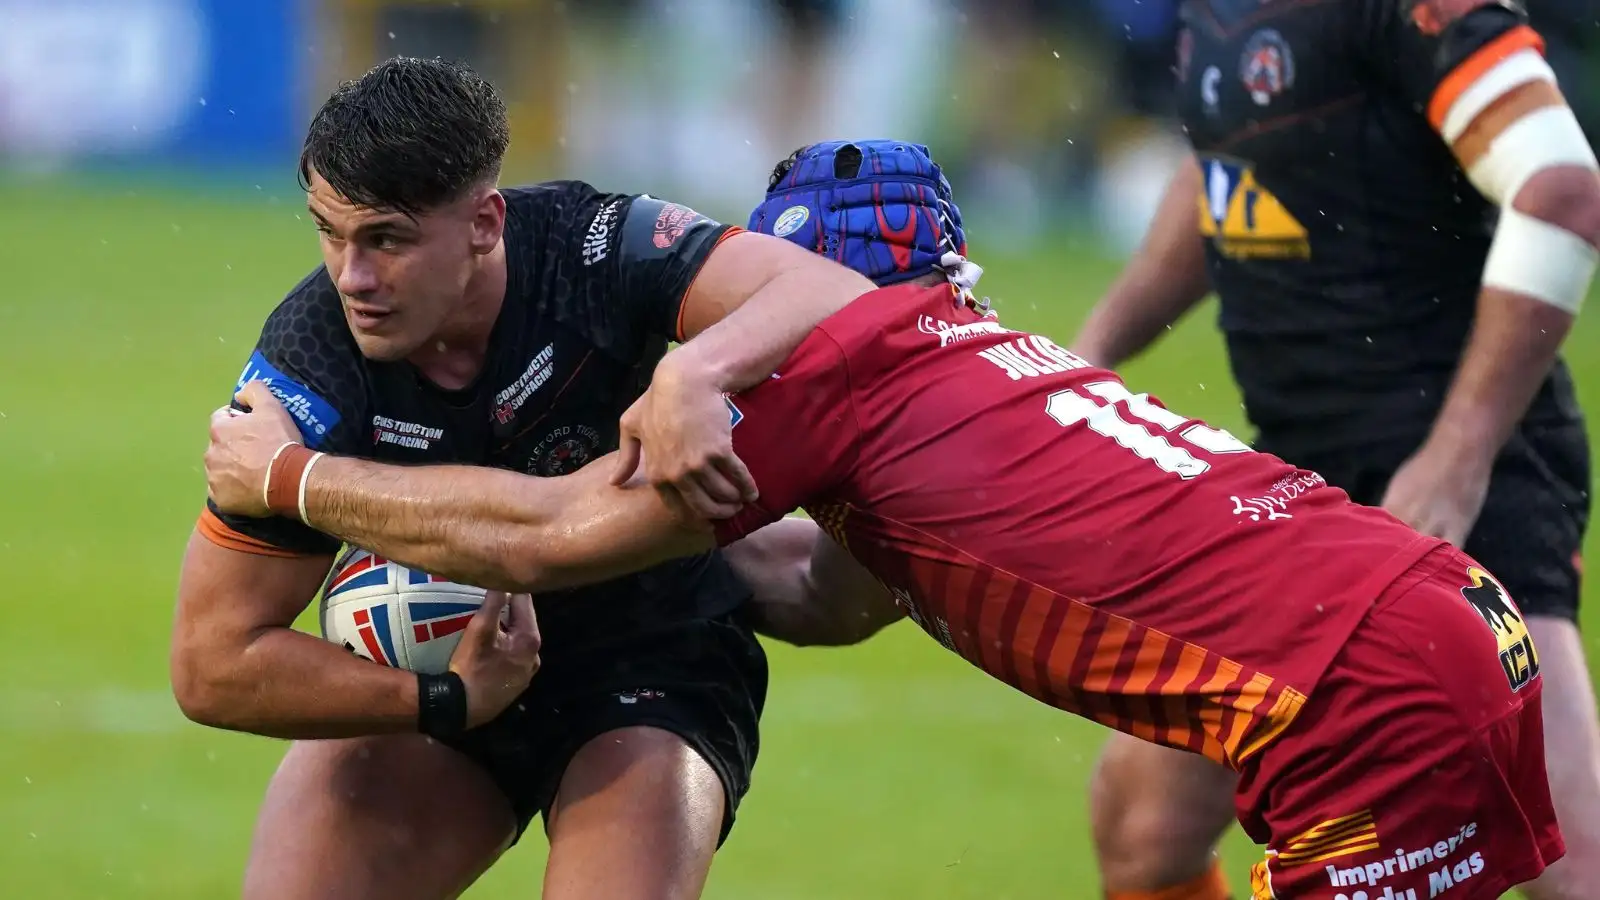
1513, 344
493, 528
295, 686
750, 342
792, 601
1165, 278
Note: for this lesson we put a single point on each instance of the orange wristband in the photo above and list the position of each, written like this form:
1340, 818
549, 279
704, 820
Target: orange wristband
286, 479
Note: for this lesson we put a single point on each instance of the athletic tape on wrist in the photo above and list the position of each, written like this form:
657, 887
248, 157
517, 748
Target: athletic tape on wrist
441, 705
286, 480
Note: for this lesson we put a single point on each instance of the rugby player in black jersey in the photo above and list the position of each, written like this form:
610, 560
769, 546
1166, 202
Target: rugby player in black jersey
1399, 214
454, 321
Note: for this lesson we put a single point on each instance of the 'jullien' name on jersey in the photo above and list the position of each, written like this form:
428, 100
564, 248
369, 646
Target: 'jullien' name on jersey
1031, 356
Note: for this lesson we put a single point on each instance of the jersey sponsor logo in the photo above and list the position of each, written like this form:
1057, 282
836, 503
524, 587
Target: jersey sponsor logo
1266, 66
949, 333
404, 434
564, 450
1489, 598
671, 222
1374, 874
539, 370
1274, 502
735, 415
597, 242
1243, 220
314, 416
790, 220
1030, 356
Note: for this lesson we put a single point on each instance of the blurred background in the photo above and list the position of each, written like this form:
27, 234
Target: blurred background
149, 220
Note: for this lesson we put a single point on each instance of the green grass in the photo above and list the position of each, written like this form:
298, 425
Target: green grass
888, 771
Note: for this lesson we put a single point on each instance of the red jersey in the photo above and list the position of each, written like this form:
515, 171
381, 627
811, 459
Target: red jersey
1073, 539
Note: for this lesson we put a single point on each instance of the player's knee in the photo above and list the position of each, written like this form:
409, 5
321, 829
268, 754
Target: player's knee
1156, 814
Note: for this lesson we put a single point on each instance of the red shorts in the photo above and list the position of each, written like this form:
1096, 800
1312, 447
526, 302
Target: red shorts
1416, 768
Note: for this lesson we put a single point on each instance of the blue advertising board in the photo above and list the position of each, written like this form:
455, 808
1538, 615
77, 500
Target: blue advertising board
175, 81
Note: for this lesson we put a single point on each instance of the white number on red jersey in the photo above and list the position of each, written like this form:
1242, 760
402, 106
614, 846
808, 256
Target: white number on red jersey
1099, 412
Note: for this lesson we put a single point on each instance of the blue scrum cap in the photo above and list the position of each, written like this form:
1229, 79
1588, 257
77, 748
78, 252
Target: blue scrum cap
883, 208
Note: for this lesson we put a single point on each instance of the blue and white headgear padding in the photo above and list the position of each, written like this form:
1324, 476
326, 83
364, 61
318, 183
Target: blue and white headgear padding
883, 208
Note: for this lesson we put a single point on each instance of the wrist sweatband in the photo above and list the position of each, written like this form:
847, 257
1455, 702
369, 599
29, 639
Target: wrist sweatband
441, 705
286, 480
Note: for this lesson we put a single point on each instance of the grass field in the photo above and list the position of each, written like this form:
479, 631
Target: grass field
888, 771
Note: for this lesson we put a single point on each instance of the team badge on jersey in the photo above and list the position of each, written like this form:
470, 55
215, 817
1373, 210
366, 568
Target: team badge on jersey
1267, 66
1243, 220
1490, 600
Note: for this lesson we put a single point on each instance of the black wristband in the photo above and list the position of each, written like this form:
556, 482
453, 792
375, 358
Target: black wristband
441, 705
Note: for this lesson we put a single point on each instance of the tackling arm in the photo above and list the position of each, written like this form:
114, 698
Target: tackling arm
1162, 282
237, 663
483, 526
808, 591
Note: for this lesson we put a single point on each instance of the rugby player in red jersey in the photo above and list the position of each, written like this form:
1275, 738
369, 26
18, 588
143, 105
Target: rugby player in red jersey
1375, 689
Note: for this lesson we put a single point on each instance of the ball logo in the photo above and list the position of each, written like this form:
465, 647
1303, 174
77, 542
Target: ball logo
790, 221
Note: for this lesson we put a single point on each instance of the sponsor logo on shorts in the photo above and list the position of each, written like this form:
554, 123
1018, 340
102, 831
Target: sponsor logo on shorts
1489, 598
511, 399
404, 434
1030, 356
629, 698
1442, 862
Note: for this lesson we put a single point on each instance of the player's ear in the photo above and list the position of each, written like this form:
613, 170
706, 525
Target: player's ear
488, 220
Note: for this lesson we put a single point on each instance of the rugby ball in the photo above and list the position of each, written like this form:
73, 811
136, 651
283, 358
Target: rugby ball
395, 616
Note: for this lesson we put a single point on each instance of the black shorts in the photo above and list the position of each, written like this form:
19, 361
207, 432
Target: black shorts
1530, 533
704, 680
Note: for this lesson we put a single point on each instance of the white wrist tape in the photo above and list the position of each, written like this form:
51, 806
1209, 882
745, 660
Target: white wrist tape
305, 476
1549, 263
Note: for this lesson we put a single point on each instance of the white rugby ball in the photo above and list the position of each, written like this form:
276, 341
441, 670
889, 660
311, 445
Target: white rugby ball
395, 616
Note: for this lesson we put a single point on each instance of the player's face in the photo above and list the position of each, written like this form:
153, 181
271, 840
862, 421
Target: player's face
401, 278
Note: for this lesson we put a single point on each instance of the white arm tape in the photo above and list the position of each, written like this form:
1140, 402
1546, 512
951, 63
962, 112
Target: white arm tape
1547, 137
1546, 262
1512, 72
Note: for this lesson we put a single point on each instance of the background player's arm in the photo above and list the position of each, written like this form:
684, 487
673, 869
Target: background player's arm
1163, 280
806, 589
1477, 70
237, 663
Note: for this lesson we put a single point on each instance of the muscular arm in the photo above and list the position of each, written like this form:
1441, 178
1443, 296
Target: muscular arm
752, 303
237, 663
497, 529
1165, 278
1515, 336
808, 591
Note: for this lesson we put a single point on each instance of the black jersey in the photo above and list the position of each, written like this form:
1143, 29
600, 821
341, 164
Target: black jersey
594, 286
1344, 241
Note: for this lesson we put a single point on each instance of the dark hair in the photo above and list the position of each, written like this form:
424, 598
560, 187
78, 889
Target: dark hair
846, 164
409, 135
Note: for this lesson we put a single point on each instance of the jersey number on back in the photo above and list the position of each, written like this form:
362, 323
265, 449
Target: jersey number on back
1099, 413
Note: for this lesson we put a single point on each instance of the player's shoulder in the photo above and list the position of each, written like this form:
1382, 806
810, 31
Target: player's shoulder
309, 359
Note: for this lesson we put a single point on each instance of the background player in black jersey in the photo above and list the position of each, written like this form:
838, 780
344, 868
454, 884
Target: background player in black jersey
1389, 328
453, 321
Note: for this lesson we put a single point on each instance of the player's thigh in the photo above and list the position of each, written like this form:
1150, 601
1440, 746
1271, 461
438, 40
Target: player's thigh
1417, 764
638, 817
1156, 813
1572, 738
396, 817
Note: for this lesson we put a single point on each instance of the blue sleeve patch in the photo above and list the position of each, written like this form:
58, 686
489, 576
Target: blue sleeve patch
735, 415
314, 416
